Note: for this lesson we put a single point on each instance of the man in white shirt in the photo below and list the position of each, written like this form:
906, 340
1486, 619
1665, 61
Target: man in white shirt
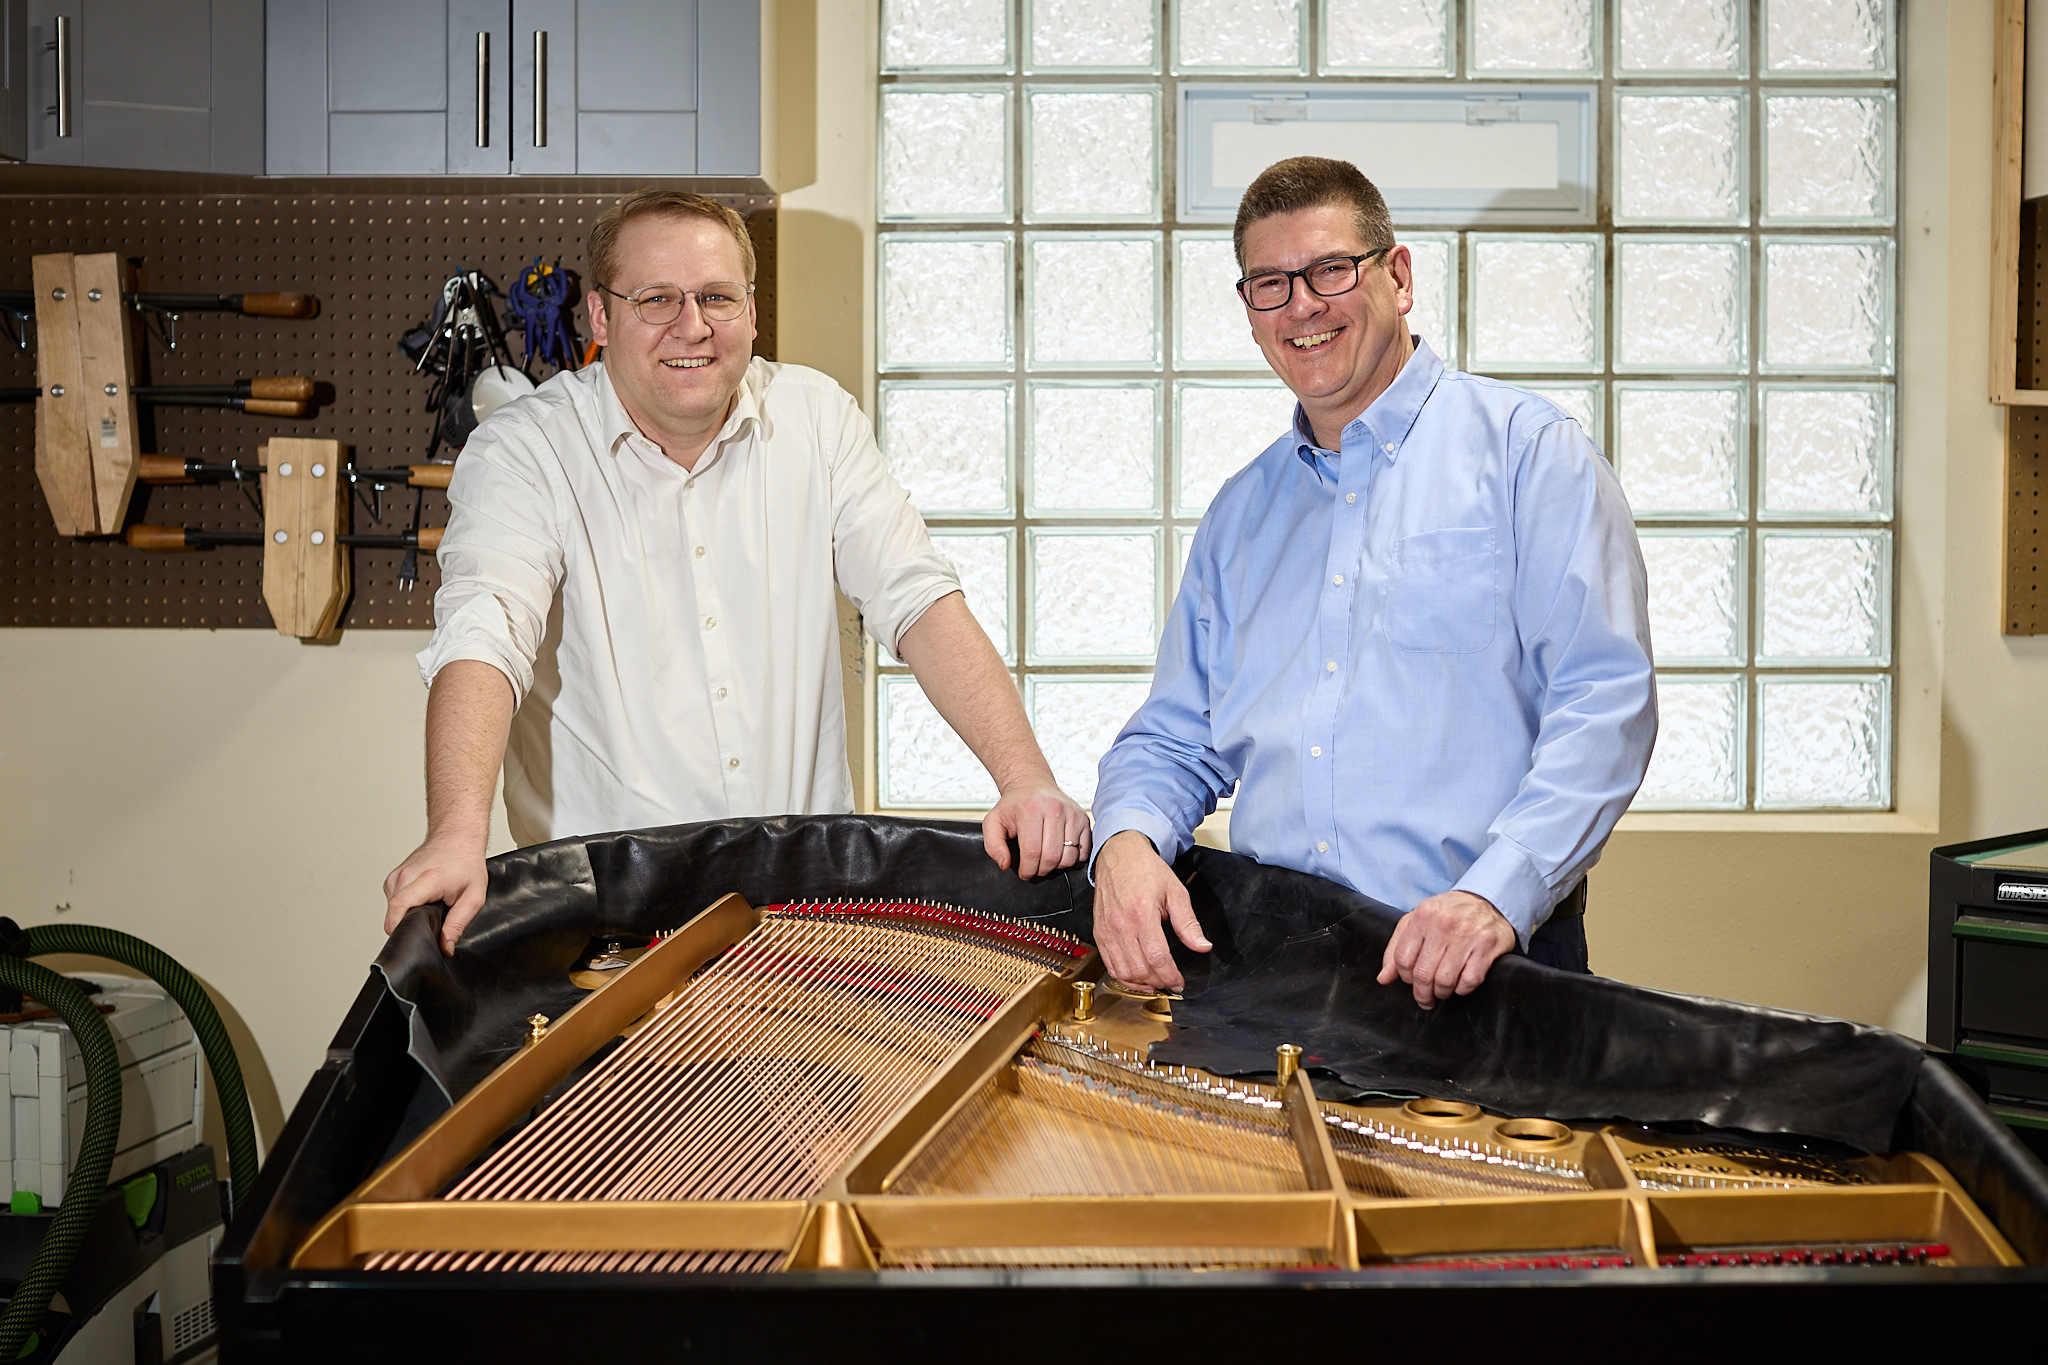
637, 615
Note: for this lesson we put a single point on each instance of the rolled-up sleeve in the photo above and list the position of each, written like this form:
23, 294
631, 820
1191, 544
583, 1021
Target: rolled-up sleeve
882, 554
500, 559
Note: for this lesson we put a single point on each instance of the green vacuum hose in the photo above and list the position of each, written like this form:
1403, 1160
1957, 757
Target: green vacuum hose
89, 1177
161, 968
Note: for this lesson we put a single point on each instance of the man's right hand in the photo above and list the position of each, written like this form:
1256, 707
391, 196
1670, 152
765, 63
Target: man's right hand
446, 871
1134, 891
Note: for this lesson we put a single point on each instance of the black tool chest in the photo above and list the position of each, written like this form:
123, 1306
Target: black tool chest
1987, 977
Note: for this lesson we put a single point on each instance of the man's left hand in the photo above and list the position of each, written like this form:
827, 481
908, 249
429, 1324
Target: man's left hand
1444, 946
1050, 829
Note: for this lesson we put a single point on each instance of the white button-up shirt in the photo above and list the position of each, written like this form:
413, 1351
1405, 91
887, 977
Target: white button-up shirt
672, 637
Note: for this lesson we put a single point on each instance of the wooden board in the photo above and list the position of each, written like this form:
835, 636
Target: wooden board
305, 510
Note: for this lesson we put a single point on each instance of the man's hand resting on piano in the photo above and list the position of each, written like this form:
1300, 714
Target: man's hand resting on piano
1444, 946
1134, 891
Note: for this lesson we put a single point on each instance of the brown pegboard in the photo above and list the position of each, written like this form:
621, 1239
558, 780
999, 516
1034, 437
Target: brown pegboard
376, 262
2026, 442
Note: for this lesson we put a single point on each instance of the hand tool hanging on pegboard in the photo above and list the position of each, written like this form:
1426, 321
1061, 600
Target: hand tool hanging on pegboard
461, 344
543, 301
88, 355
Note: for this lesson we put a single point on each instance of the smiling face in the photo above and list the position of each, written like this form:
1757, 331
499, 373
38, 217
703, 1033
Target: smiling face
676, 382
1336, 354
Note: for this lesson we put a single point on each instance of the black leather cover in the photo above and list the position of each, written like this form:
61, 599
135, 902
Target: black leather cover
1295, 961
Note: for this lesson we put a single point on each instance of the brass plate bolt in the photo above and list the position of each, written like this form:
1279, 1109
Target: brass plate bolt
1084, 1001
1288, 1059
537, 1027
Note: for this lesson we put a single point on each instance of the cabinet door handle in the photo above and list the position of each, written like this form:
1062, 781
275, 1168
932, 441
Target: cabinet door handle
62, 47
483, 89
540, 87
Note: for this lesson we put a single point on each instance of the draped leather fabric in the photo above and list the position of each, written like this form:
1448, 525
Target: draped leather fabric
1294, 961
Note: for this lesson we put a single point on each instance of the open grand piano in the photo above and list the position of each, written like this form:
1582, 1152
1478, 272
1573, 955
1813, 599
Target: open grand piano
862, 1084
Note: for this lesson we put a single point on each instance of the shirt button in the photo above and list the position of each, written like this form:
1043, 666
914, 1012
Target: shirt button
1389, 447
1330, 667
732, 763
1338, 581
1315, 751
710, 622
700, 552
689, 484
721, 694
1351, 497
1322, 847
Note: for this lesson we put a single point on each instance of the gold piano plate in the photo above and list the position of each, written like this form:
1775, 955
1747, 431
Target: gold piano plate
888, 1085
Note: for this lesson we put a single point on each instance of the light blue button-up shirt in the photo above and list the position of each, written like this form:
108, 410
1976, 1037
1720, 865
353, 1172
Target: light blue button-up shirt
1423, 660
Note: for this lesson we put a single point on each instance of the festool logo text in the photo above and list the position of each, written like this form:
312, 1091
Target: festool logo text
196, 1173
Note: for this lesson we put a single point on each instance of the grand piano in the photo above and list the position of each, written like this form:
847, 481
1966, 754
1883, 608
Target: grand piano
787, 1084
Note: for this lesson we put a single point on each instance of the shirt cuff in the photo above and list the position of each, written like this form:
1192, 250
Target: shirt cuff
1508, 880
1154, 827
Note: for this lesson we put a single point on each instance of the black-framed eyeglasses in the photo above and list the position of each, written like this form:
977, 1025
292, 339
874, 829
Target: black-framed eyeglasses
658, 305
1327, 278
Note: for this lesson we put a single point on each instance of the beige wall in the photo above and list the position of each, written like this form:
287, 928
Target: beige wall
236, 798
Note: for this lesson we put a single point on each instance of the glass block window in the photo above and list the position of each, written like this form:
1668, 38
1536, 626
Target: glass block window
1067, 378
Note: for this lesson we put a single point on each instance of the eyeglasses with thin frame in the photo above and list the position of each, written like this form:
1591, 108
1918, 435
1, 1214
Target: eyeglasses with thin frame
658, 305
1327, 278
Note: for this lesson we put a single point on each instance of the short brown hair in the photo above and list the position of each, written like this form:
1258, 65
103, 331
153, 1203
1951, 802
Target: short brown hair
1310, 182
601, 250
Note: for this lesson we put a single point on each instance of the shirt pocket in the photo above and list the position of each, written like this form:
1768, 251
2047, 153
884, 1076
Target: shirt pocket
1440, 598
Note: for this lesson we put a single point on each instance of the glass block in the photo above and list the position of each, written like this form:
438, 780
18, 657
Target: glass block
1094, 596
1695, 595
1077, 719
1093, 35
922, 761
945, 302
1093, 300
982, 559
1210, 329
1679, 36
1824, 742
1094, 448
1698, 761
1825, 597
1828, 158
1387, 37
945, 35
1684, 304
1827, 452
1092, 154
1826, 37
949, 445
945, 153
1827, 304
1537, 303
1584, 403
1535, 37
1237, 35
1681, 448
1433, 261
1679, 158
1219, 426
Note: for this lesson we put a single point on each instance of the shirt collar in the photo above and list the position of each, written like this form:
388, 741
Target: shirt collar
617, 423
1386, 421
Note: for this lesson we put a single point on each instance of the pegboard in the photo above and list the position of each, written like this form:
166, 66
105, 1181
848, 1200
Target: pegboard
2026, 443
376, 263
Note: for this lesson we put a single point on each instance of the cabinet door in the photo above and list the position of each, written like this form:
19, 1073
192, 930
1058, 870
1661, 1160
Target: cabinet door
480, 63
386, 87
544, 87
161, 85
636, 86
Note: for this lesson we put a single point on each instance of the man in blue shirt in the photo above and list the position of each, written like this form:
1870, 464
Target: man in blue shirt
1413, 632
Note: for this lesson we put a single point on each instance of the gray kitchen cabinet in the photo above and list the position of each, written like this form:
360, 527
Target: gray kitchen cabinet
526, 87
164, 85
